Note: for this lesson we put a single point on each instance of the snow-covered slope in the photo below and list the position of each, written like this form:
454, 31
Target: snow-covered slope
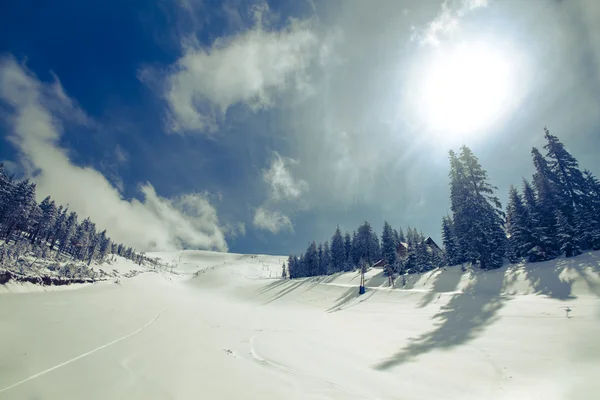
226, 327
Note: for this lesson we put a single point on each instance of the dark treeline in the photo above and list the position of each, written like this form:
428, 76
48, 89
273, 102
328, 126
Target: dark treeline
363, 247
52, 229
556, 213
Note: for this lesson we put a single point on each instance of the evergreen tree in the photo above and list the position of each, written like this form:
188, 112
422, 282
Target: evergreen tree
518, 224
449, 241
547, 207
311, 260
338, 251
566, 237
283, 272
477, 212
104, 246
326, 260
566, 175
18, 208
67, 233
388, 248
293, 273
321, 262
355, 251
348, 266
367, 244
47, 220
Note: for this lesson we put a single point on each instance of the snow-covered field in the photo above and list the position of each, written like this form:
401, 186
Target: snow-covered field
235, 331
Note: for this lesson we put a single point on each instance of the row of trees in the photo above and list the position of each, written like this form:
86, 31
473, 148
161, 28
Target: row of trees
350, 251
557, 213
50, 227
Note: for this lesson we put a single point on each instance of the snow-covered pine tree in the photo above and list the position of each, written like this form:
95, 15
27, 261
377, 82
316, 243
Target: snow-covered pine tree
348, 264
449, 241
388, 248
477, 212
518, 226
587, 221
311, 260
5, 190
338, 252
566, 237
104, 246
566, 175
367, 244
67, 234
18, 207
293, 272
355, 251
321, 263
47, 220
548, 203
326, 267
283, 271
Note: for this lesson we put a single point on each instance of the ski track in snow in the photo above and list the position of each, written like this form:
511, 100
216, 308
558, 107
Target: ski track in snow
32, 377
293, 371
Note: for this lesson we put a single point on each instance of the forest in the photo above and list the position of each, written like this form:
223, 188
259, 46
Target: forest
555, 213
47, 231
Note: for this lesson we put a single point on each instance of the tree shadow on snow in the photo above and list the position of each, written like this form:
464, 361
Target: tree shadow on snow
545, 279
289, 286
460, 321
445, 281
587, 268
349, 295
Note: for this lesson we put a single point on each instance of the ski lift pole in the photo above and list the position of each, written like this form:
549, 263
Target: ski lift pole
361, 289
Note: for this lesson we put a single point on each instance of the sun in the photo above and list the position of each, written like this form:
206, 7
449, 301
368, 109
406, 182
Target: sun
463, 90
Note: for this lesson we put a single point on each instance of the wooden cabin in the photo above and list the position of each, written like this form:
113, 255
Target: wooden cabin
432, 245
402, 250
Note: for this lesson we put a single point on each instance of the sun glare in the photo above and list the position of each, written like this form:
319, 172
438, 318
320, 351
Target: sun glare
463, 90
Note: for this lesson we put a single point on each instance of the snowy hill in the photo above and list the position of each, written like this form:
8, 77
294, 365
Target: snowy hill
223, 326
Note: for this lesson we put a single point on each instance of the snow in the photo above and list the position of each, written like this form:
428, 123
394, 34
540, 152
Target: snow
236, 331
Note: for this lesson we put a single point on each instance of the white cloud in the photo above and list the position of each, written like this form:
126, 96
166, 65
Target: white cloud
448, 20
250, 68
284, 191
273, 221
155, 223
282, 183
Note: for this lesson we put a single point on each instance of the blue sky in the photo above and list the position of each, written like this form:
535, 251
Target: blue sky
257, 126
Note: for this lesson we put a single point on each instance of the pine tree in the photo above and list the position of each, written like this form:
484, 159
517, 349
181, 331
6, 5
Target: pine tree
367, 244
104, 246
518, 224
67, 234
326, 261
348, 265
388, 248
5, 191
566, 175
477, 212
547, 206
321, 262
18, 208
44, 229
355, 252
566, 237
449, 241
283, 272
311, 260
338, 251
292, 267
